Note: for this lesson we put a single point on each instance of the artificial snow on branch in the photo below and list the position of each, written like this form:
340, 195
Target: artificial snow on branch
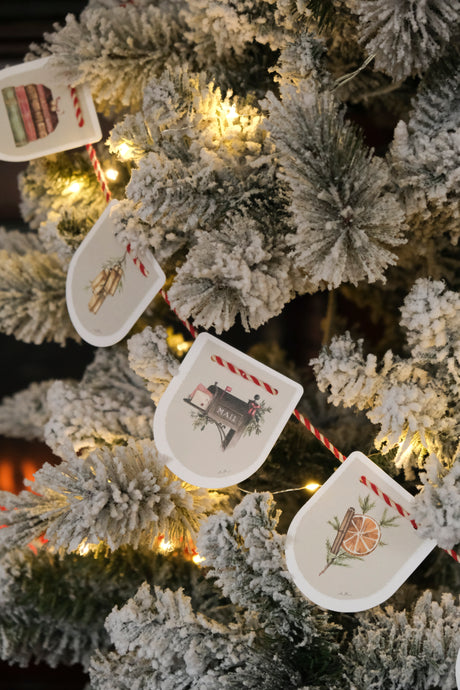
24, 414
407, 35
238, 270
345, 219
416, 399
150, 358
161, 642
53, 606
118, 47
110, 405
425, 157
437, 506
119, 496
246, 559
397, 650
32, 298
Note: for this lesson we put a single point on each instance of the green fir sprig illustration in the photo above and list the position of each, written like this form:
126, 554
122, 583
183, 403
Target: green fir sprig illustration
357, 535
255, 425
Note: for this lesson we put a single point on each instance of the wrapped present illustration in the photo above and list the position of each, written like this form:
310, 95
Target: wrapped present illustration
232, 416
32, 112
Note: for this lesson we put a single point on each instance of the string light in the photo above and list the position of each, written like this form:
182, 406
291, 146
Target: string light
84, 548
198, 559
73, 188
177, 343
166, 546
312, 486
111, 174
124, 151
232, 114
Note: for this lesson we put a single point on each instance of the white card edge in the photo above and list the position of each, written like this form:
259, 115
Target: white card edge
159, 435
115, 337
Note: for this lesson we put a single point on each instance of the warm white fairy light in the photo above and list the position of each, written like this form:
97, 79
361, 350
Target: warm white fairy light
198, 559
184, 347
166, 546
124, 151
232, 113
111, 174
84, 549
312, 486
73, 188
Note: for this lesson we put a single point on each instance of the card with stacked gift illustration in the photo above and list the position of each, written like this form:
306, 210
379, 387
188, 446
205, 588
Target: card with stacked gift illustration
353, 544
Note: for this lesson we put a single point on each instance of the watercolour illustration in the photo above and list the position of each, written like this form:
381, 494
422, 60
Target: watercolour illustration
108, 286
357, 535
32, 112
221, 414
107, 282
354, 543
231, 416
40, 114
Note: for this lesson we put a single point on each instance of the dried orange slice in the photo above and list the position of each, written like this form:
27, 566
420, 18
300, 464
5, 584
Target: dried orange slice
362, 537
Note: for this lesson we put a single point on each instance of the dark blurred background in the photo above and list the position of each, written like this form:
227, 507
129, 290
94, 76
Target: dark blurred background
22, 23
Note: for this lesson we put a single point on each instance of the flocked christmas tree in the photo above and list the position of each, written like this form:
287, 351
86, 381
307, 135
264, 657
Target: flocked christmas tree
237, 159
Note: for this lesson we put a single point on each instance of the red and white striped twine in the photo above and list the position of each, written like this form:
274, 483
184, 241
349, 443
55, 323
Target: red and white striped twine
189, 326
306, 422
402, 511
301, 418
389, 501
248, 377
90, 148
76, 105
101, 178
138, 262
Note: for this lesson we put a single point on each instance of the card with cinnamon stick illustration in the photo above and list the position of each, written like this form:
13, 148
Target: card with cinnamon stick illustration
354, 543
109, 287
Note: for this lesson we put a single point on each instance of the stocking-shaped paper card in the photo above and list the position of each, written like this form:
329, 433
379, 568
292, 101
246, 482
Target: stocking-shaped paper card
38, 113
353, 543
107, 287
221, 414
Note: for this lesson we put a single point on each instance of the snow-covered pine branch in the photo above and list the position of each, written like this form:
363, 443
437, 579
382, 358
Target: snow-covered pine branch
110, 405
120, 496
346, 221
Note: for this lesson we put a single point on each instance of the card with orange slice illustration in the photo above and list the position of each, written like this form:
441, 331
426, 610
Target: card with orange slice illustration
353, 543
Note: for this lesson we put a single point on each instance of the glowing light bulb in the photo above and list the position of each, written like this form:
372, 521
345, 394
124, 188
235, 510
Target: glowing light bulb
184, 347
73, 188
312, 486
166, 546
232, 114
124, 151
111, 174
84, 549
198, 559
